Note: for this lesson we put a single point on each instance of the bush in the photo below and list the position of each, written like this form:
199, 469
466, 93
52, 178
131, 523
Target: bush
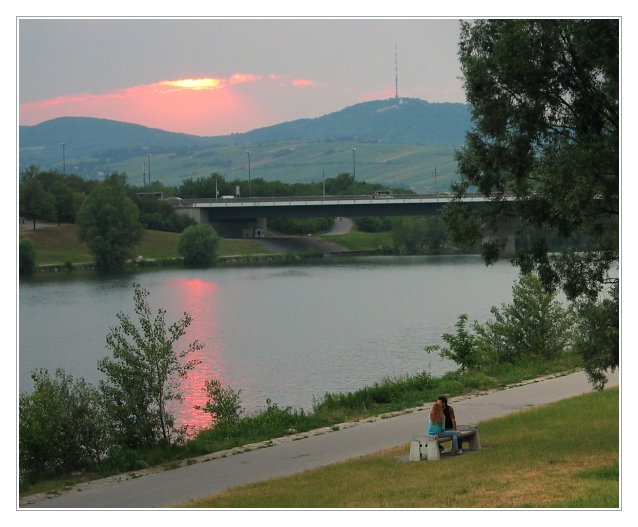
373, 224
27, 256
222, 404
534, 326
463, 347
62, 426
198, 245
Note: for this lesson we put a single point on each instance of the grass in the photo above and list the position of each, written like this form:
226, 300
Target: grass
57, 245
562, 455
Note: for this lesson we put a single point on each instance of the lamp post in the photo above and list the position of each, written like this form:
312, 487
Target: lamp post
250, 195
354, 173
64, 157
149, 169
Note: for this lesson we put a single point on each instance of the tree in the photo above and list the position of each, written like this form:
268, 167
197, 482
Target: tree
544, 147
35, 201
597, 337
159, 215
535, 325
198, 245
414, 234
144, 374
66, 203
27, 256
108, 222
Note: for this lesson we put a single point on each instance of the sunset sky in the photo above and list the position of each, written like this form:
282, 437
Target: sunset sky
219, 76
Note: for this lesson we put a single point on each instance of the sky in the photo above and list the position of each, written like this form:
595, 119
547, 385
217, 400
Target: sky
219, 76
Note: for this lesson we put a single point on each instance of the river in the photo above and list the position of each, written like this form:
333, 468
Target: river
288, 333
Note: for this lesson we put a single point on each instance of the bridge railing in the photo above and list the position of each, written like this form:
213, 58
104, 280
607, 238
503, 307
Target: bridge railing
317, 199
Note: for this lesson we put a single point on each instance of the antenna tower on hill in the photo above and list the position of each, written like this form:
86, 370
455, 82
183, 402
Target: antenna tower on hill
396, 74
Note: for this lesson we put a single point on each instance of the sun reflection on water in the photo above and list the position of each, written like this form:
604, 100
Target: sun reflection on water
200, 299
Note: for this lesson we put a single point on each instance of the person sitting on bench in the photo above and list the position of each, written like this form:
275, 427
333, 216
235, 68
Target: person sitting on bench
436, 426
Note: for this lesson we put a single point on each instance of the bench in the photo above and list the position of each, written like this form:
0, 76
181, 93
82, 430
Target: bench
426, 446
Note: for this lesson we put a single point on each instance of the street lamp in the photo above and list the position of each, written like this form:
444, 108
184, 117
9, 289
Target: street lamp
250, 195
354, 173
64, 157
149, 169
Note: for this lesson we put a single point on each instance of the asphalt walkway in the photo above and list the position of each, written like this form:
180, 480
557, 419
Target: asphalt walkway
222, 471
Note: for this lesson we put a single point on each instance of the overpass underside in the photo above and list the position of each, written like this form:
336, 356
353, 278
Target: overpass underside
249, 219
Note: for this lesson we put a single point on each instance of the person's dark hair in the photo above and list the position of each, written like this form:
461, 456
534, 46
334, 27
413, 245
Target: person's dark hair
443, 399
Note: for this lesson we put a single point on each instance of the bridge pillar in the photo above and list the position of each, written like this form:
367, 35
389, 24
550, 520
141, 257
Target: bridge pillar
507, 230
199, 215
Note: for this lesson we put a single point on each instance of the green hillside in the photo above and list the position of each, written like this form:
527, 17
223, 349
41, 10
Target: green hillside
398, 144
406, 166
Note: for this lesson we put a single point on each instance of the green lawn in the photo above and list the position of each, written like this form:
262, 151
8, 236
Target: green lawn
57, 245
563, 455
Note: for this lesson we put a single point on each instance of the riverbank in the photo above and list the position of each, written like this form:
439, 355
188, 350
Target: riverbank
293, 454
57, 248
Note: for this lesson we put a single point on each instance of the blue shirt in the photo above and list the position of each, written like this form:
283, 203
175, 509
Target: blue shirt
434, 429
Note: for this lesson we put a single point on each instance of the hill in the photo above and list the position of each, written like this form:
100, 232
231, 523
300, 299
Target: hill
398, 143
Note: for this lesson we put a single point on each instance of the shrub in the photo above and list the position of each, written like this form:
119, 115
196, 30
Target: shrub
62, 426
198, 245
222, 404
463, 347
27, 256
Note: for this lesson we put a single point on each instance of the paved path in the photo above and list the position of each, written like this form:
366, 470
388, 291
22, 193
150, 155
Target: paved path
341, 226
288, 456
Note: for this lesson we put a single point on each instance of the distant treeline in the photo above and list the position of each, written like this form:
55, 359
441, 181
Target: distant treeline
216, 185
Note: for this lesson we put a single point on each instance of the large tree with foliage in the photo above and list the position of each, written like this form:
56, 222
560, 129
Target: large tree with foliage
50, 195
35, 202
544, 147
144, 374
108, 222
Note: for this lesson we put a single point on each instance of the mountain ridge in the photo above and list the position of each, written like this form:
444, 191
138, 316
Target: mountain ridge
390, 129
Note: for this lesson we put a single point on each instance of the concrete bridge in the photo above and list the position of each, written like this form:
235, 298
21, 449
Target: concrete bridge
247, 217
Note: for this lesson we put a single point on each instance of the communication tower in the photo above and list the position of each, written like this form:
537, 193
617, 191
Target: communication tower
396, 74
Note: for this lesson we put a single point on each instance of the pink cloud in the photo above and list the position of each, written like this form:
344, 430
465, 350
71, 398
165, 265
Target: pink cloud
203, 106
238, 78
302, 82
171, 105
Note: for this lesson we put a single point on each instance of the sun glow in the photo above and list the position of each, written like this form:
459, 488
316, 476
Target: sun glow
204, 105
195, 84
